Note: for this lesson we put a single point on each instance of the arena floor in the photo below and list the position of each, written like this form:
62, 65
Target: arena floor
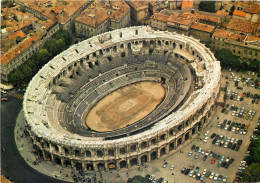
125, 106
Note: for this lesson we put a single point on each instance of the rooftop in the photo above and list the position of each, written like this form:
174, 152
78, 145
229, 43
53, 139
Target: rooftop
253, 8
183, 19
92, 17
239, 13
187, 4
202, 27
139, 3
209, 18
5, 58
242, 25
160, 17
221, 33
222, 13
252, 38
16, 34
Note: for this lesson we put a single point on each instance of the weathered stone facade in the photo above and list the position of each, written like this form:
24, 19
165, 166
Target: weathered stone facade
43, 110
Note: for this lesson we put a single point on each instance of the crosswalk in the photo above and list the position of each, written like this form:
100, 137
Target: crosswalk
18, 95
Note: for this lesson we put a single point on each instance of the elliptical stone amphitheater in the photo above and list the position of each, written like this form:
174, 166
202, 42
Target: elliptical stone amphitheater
62, 94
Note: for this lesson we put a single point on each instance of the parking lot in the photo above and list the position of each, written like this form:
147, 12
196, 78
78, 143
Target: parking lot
232, 142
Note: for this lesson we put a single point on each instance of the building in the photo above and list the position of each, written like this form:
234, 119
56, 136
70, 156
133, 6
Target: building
139, 11
101, 17
202, 31
242, 26
244, 46
175, 4
159, 21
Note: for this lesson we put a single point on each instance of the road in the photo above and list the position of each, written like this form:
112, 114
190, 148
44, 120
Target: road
12, 164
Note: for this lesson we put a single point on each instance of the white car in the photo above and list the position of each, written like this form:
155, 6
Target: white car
204, 171
191, 173
224, 179
212, 175
172, 167
206, 139
216, 176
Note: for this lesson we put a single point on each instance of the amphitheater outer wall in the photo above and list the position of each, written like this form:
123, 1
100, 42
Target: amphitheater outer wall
62, 147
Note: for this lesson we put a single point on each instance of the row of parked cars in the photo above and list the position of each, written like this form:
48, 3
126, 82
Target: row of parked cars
224, 162
194, 173
238, 128
226, 142
240, 171
153, 179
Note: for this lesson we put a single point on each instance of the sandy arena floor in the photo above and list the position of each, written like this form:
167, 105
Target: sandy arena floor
125, 106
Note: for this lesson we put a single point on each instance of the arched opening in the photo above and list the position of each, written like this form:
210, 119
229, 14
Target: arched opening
193, 131
88, 154
144, 159
99, 154
123, 54
151, 42
174, 45
120, 34
162, 137
101, 166
114, 48
171, 146
67, 163
90, 65
136, 43
162, 151
143, 145
179, 141
171, 132
133, 148
107, 49
187, 135
193, 52
167, 43
78, 166
122, 46
186, 123
111, 153
109, 58
129, 46
56, 147
122, 164
66, 151
150, 51
199, 124
180, 46
122, 151
159, 43
100, 52
136, 32
111, 166
48, 156
89, 167
153, 141
57, 161
179, 127
153, 155
77, 153
133, 162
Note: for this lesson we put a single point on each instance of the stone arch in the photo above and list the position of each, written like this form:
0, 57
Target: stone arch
57, 160
153, 155
162, 137
90, 166
56, 148
171, 132
48, 156
174, 45
122, 150
101, 166
133, 161
144, 159
122, 164
133, 148
66, 151
99, 153
67, 163
187, 136
159, 42
129, 46
111, 152
88, 154
78, 166
179, 141
143, 145
162, 151
153, 141
171, 146
193, 130
77, 152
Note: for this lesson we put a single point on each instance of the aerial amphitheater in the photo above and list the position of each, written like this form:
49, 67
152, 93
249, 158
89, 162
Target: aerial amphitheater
121, 98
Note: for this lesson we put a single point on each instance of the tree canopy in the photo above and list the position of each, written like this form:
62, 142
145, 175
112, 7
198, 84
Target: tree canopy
208, 6
24, 73
138, 179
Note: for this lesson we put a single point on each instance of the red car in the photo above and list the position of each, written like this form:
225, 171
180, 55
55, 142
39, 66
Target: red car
213, 161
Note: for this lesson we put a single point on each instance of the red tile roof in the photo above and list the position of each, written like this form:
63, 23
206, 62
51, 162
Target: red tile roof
202, 27
160, 17
252, 38
16, 34
187, 4
253, 8
242, 25
5, 58
92, 17
221, 33
183, 19
222, 13
239, 13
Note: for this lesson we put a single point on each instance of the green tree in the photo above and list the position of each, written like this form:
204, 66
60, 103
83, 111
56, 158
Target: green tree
16, 77
27, 73
43, 57
254, 65
226, 58
51, 46
252, 173
138, 179
64, 35
232, 9
207, 6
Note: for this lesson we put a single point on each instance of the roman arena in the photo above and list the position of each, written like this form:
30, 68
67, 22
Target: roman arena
121, 98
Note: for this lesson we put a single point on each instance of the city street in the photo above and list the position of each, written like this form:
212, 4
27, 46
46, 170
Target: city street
12, 163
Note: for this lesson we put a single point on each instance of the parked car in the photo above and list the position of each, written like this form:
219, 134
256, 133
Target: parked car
172, 167
165, 164
213, 160
196, 156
